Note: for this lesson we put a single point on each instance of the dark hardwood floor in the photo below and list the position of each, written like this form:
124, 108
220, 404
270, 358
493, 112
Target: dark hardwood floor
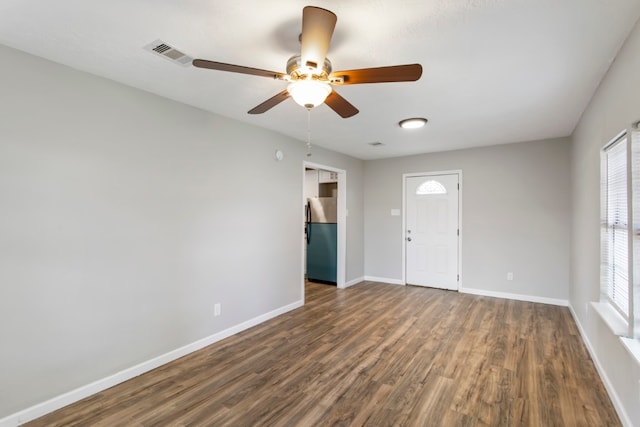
376, 355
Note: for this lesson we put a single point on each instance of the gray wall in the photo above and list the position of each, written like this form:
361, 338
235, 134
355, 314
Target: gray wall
515, 215
615, 105
124, 217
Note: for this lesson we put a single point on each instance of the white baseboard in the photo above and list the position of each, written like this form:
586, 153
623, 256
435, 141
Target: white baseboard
624, 418
517, 297
80, 393
353, 282
384, 280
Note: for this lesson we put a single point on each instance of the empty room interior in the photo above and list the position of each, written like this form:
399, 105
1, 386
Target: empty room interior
424, 215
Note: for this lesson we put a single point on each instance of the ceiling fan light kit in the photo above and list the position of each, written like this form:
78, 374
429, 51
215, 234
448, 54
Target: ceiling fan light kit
309, 93
310, 74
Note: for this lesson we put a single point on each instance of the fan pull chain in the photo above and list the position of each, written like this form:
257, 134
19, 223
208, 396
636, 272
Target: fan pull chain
308, 132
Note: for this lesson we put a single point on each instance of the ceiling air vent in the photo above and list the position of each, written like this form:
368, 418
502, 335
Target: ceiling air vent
375, 144
166, 51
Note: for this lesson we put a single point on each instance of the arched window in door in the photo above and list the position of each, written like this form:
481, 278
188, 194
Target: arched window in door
430, 187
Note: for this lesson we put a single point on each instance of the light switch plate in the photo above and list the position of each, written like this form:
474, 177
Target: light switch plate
395, 212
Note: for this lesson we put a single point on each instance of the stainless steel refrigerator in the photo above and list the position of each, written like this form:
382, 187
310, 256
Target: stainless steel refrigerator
321, 231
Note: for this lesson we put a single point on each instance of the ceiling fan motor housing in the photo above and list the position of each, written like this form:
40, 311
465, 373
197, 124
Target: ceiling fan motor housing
308, 71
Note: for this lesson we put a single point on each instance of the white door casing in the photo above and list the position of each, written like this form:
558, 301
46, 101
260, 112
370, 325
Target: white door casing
432, 231
341, 176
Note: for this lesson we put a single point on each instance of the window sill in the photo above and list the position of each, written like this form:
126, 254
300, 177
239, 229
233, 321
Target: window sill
633, 347
619, 327
611, 318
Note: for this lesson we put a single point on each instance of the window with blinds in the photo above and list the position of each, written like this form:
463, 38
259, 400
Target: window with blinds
616, 242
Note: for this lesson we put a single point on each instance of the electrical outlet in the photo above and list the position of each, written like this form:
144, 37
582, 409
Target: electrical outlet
510, 275
216, 309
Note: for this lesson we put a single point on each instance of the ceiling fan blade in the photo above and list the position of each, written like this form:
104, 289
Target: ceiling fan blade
340, 105
221, 66
394, 73
270, 103
317, 29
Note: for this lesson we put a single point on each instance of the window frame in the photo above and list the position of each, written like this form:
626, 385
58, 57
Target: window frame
631, 318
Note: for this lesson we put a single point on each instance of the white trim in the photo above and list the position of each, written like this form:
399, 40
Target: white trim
622, 414
82, 392
611, 317
404, 219
341, 272
626, 139
403, 234
633, 347
342, 229
303, 241
354, 282
384, 280
517, 297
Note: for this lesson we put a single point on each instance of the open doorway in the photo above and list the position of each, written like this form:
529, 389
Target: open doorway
324, 222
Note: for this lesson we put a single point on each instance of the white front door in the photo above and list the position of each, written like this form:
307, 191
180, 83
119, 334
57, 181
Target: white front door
431, 235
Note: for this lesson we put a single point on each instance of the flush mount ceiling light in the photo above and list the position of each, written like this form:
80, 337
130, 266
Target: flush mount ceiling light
309, 93
414, 123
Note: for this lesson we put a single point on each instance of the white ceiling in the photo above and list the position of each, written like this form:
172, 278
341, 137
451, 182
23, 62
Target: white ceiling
495, 71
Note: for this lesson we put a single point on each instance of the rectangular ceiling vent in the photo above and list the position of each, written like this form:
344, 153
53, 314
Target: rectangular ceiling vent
166, 51
375, 144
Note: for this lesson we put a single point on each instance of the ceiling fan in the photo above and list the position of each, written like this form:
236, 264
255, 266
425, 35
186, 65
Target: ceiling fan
310, 75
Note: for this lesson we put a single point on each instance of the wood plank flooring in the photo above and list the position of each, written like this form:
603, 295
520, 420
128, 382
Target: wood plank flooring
375, 355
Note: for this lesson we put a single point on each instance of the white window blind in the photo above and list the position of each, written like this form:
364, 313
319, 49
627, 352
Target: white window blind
616, 239
634, 288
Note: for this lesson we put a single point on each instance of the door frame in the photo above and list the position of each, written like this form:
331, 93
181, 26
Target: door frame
342, 221
404, 219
